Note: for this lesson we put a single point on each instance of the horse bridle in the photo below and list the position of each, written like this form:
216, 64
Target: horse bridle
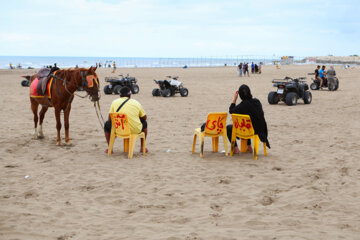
84, 82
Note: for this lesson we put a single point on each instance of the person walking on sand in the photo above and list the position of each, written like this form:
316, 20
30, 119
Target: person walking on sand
240, 69
252, 107
133, 110
114, 67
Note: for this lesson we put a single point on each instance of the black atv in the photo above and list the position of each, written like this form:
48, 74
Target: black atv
26, 82
115, 84
169, 87
289, 90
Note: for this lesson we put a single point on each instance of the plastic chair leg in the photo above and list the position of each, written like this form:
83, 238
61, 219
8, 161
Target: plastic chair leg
225, 143
111, 144
256, 146
213, 144
217, 144
243, 145
194, 143
126, 145
143, 143
131, 147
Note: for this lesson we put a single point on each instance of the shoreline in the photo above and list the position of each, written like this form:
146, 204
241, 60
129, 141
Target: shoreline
68, 62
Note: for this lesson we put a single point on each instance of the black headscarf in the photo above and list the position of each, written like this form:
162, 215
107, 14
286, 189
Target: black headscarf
244, 92
252, 107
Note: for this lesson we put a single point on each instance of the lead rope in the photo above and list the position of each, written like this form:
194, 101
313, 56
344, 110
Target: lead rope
98, 114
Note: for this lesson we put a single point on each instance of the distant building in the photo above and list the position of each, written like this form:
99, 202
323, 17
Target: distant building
286, 60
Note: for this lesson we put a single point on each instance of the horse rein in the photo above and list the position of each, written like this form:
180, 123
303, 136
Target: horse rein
84, 82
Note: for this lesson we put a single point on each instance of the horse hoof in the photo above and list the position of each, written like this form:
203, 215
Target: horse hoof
58, 143
40, 137
68, 143
35, 137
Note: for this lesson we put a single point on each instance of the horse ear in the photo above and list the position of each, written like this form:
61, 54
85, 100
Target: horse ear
92, 69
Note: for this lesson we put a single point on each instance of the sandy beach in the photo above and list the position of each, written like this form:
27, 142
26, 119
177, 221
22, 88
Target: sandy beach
308, 187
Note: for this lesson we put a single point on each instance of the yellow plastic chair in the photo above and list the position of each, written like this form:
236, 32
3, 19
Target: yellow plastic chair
243, 128
215, 126
120, 128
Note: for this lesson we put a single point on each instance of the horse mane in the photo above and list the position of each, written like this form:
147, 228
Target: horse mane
70, 73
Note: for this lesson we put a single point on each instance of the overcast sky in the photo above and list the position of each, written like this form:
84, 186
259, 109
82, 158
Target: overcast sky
179, 28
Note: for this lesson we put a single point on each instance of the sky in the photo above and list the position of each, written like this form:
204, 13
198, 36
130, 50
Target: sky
179, 28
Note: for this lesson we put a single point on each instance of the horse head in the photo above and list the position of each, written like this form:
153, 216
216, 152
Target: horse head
90, 83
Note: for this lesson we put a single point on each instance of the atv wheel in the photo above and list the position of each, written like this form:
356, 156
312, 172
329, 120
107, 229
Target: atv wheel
291, 99
166, 93
107, 90
314, 86
307, 97
184, 92
117, 89
156, 92
135, 89
25, 83
273, 98
172, 91
331, 86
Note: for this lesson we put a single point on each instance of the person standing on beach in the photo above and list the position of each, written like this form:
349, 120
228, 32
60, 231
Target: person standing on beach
240, 69
114, 67
252, 68
252, 107
246, 69
133, 110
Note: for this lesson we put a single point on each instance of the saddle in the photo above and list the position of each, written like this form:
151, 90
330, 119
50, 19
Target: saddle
44, 76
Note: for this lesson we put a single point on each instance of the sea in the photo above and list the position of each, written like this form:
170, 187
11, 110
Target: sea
127, 62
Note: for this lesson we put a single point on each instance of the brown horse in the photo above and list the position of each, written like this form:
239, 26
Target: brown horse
64, 84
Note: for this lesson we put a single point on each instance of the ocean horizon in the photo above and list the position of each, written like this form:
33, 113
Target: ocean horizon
128, 62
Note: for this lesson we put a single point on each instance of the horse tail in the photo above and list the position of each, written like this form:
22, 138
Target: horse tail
27, 77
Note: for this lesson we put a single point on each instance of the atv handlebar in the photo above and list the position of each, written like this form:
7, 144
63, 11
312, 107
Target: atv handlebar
173, 77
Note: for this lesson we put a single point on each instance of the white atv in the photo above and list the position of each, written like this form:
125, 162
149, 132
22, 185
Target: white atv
169, 87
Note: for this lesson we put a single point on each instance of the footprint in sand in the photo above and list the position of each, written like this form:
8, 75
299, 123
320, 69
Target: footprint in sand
344, 171
30, 194
11, 166
216, 207
266, 201
224, 181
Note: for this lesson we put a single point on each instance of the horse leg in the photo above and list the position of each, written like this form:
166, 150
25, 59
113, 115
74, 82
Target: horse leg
67, 124
42, 115
58, 126
34, 108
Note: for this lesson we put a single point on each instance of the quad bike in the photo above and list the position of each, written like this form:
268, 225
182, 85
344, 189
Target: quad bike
115, 84
332, 83
289, 90
169, 87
